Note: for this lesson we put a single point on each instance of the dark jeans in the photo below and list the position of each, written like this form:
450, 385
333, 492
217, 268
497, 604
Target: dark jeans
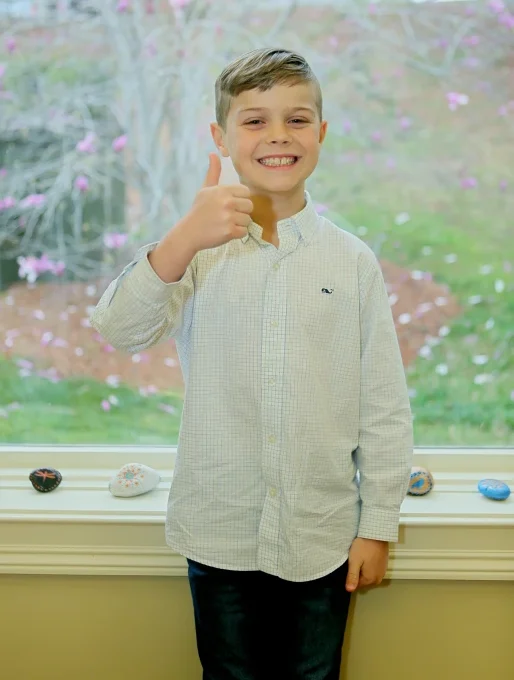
253, 626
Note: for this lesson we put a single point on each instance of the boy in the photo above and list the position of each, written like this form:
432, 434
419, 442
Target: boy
294, 381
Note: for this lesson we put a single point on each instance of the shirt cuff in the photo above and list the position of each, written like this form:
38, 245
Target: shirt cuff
379, 524
145, 284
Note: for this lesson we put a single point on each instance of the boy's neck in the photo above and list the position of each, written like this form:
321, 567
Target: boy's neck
269, 210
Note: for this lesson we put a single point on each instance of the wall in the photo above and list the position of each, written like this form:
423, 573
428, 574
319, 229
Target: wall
141, 628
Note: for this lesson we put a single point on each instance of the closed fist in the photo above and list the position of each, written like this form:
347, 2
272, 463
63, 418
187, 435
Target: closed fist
219, 214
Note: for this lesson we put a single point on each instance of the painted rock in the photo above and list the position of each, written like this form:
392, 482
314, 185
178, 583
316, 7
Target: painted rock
134, 479
45, 479
421, 482
494, 489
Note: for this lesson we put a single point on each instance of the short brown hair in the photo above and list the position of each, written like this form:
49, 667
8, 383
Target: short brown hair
262, 69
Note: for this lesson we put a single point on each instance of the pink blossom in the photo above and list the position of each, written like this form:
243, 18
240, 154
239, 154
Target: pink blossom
497, 6
87, 145
115, 240
471, 62
33, 201
31, 267
151, 49
376, 136
471, 40
106, 405
3, 69
122, 5
469, 183
47, 338
507, 19
119, 143
7, 202
405, 122
456, 99
503, 184
82, 183
10, 44
150, 7
3, 172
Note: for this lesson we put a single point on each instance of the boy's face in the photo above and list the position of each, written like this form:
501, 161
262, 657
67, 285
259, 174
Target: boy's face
282, 121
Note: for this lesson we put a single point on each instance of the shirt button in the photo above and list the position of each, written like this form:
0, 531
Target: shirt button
274, 324
276, 266
272, 439
273, 492
272, 381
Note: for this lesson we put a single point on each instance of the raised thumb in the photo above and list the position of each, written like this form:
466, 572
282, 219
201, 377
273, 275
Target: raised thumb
213, 175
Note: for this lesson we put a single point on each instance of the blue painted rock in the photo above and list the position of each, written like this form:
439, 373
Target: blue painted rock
494, 489
421, 482
45, 479
134, 479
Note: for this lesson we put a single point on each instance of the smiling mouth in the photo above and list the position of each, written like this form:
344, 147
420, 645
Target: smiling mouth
279, 162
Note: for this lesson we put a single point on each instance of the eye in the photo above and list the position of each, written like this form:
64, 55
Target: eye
299, 120
251, 122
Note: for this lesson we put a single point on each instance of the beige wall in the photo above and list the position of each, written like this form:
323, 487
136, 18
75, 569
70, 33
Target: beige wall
139, 628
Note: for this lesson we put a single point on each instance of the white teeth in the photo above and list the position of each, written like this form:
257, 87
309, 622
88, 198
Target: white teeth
278, 161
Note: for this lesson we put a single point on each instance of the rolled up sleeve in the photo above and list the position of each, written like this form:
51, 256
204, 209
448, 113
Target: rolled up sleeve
139, 310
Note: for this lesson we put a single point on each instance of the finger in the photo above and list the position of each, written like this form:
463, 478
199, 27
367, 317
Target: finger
242, 220
213, 175
239, 191
352, 579
243, 205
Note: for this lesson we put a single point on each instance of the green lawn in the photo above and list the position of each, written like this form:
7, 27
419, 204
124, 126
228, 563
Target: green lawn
70, 412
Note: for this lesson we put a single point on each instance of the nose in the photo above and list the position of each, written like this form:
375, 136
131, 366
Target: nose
278, 134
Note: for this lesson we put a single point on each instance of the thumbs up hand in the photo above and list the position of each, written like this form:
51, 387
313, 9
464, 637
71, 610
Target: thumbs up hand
219, 213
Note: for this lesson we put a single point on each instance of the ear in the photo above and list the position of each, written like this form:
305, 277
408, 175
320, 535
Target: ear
218, 136
323, 131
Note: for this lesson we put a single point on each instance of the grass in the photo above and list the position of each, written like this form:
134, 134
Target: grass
70, 412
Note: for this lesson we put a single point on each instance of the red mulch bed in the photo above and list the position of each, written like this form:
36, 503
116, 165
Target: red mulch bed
47, 323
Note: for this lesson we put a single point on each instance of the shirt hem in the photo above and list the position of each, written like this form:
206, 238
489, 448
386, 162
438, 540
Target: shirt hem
191, 555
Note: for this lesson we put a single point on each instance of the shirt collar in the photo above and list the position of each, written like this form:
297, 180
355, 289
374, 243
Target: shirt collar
304, 223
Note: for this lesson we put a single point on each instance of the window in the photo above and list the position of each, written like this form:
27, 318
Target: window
101, 155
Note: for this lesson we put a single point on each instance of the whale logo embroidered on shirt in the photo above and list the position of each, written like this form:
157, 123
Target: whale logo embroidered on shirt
328, 291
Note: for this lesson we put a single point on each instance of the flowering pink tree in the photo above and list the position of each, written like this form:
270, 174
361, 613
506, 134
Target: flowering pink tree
137, 116
137, 111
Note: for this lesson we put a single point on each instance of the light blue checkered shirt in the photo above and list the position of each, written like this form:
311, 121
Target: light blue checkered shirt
294, 380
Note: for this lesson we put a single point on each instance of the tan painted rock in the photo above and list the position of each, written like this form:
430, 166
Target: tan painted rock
134, 479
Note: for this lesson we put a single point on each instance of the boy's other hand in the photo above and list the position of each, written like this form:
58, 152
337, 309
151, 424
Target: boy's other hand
367, 563
219, 213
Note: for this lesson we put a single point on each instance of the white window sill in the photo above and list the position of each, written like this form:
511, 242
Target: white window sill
452, 533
